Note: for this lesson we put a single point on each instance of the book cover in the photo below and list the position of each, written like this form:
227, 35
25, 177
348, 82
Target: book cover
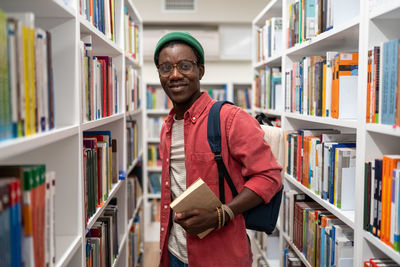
197, 195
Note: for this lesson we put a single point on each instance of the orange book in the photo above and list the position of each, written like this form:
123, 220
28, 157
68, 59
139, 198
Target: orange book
342, 65
305, 178
389, 163
368, 113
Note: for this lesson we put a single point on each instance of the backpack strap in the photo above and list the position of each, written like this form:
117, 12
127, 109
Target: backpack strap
214, 140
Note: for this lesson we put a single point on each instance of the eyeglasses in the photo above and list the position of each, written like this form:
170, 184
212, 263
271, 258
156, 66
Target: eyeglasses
183, 66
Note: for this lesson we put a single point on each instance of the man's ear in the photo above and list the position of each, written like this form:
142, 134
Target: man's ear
201, 71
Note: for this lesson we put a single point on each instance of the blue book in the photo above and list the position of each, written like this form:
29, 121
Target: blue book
332, 169
5, 230
386, 82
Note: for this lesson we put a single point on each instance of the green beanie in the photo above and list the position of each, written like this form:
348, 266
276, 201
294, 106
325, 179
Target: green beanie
180, 36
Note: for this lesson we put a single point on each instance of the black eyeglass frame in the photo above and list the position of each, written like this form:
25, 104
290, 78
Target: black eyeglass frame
176, 66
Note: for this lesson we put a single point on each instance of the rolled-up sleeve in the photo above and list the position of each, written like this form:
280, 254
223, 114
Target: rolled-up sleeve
259, 166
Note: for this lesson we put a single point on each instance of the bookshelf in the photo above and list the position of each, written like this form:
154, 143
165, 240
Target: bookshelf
60, 148
369, 25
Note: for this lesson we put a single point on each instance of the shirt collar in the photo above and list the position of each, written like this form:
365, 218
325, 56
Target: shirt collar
194, 112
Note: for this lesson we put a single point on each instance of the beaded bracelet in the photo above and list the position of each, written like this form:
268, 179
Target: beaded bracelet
229, 211
219, 218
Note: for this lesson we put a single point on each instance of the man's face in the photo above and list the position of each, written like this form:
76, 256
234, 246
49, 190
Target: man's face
182, 89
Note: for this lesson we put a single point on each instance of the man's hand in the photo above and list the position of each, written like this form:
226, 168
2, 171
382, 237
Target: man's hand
197, 221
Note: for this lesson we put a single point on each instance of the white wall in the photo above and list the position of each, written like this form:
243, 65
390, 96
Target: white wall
208, 12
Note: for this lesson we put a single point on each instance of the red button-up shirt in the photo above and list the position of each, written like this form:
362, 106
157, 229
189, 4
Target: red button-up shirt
250, 163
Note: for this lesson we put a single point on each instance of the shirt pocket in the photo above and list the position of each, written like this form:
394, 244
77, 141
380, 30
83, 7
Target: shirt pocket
204, 166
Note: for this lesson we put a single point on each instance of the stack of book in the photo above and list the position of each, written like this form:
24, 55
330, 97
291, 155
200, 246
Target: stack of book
132, 36
99, 83
310, 18
101, 14
132, 137
268, 88
323, 86
134, 193
134, 243
100, 171
242, 97
27, 197
132, 89
321, 237
379, 262
102, 238
157, 99
290, 259
154, 125
381, 199
383, 88
26, 74
153, 155
215, 92
269, 39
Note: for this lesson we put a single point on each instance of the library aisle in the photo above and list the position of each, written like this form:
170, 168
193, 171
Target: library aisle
81, 109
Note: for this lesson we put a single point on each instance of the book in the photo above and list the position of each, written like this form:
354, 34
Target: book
197, 195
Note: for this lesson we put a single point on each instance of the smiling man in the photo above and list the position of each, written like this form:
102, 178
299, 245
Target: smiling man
186, 156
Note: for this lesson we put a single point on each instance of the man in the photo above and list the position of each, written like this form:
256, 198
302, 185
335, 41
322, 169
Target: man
186, 156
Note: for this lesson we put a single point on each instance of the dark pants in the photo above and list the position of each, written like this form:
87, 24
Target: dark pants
175, 262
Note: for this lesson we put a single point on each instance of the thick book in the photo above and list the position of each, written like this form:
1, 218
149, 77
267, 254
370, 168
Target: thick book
197, 195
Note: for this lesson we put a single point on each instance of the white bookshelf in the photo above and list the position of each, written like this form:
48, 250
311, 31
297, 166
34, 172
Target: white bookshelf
372, 26
60, 149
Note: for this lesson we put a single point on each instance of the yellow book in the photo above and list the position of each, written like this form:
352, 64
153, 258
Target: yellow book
25, 40
197, 195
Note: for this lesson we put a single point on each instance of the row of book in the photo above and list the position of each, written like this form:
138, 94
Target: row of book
381, 199
154, 125
267, 244
379, 262
132, 36
153, 155
100, 168
99, 83
323, 160
26, 74
242, 97
27, 216
269, 39
155, 210
290, 259
309, 18
132, 89
383, 87
101, 14
218, 94
157, 99
102, 239
135, 240
154, 184
132, 144
268, 88
321, 237
134, 190
323, 86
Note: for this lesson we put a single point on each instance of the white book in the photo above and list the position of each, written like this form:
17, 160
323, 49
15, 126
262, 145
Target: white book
330, 56
306, 69
346, 178
276, 34
380, 82
347, 96
394, 205
13, 71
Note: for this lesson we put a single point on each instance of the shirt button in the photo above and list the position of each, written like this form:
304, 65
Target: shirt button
162, 229
166, 183
165, 206
194, 118
167, 160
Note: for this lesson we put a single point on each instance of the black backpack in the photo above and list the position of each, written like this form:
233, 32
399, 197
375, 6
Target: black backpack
261, 218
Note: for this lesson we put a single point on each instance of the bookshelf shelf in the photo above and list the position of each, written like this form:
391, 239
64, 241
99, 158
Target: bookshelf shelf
270, 262
66, 246
134, 163
153, 140
154, 169
352, 124
41, 8
383, 129
390, 252
101, 45
272, 61
296, 250
13, 147
344, 36
130, 60
122, 246
100, 210
134, 112
271, 112
346, 216
386, 10
156, 196
100, 122
138, 205
163, 112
